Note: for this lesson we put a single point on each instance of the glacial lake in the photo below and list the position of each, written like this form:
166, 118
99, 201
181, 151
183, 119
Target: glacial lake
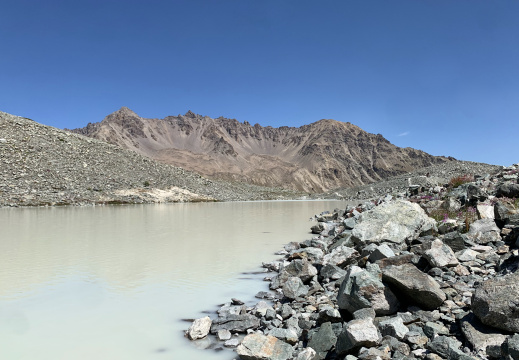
115, 282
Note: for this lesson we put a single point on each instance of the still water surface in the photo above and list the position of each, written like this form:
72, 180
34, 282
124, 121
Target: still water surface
115, 282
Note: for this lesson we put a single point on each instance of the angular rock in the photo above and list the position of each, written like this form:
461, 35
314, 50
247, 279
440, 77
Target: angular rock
393, 327
357, 333
341, 256
300, 268
307, 354
496, 302
223, 335
235, 323
323, 340
484, 231
381, 252
508, 190
199, 328
448, 348
261, 347
455, 241
232, 343
417, 287
361, 289
395, 222
479, 335
485, 211
294, 288
331, 272
440, 255
287, 335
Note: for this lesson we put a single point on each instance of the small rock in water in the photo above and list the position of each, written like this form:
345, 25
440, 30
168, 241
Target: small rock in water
199, 329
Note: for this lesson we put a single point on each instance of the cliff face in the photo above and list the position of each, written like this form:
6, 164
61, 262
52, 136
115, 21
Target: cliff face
324, 155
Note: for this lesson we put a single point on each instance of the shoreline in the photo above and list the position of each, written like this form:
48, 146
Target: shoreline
360, 290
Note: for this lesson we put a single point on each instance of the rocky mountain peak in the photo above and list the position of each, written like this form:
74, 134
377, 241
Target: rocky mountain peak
321, 156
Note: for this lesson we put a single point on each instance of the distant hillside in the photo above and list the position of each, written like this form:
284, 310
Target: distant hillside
324, 155
42, 165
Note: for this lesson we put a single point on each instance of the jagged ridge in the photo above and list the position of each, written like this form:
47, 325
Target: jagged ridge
324, 155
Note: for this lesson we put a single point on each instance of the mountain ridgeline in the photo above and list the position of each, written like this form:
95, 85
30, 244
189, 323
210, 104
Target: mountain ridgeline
314, 158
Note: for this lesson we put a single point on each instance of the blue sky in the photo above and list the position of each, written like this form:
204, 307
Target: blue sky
437, 75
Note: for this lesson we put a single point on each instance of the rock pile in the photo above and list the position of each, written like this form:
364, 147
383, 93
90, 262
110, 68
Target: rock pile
430, 276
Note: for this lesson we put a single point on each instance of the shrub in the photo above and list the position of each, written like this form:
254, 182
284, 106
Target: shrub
459, 180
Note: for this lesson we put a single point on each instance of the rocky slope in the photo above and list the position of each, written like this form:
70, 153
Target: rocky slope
41, 165
429, 275
325, 155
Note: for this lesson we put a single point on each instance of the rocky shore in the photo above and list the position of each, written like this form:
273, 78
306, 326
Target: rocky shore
430, 273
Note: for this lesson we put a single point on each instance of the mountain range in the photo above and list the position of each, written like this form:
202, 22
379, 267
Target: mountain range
314, 158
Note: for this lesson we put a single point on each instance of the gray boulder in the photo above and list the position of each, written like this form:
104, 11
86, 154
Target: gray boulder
440, 255
447, 348
381, 252
235, 323
301, 268
408, 281
199, 328
479, 335
323, 340
362, 289
341, 256
331, 272
294, 288
496, 302
307, 354
508, 190
393, 327
484, 231
395, 222
287, 335
263, 347
358, 333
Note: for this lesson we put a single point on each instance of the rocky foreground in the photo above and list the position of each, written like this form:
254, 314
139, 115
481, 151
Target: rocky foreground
41, 165
430, 274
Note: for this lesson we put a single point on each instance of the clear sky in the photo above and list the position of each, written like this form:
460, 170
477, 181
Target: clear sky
437, 75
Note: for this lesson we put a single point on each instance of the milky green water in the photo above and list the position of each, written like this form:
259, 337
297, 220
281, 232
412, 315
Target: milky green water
115, 282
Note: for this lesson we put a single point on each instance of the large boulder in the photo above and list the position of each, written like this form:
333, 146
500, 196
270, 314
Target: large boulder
479, 335
440, 255
294, 288
362, 289
235, 323
358, 333
409, 282
395, 222
484, 231
199, 328
496, 302
300, 268
323, 340
341, 256
261, 347
508, 190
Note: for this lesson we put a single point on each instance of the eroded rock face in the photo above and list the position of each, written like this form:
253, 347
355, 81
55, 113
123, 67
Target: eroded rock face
263, 347
408, 281
393, 222
496, 302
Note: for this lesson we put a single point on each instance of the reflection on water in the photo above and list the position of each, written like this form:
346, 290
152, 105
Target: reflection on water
114, 282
